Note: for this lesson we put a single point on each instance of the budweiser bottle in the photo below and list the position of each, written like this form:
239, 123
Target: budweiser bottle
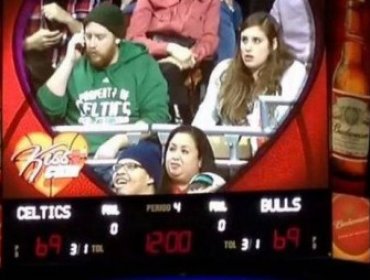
350, 114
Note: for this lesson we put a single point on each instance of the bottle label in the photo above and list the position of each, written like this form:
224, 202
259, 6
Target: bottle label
350, 125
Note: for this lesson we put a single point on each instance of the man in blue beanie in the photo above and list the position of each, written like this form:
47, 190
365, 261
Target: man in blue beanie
138, 170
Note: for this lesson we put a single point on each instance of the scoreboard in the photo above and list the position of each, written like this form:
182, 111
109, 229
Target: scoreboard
228, 227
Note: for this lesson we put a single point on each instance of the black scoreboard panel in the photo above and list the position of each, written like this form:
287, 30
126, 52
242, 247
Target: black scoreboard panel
232, 227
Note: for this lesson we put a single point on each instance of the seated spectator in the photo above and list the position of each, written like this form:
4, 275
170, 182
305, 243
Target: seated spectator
231, 19
297, 27
263, 66
187, 153
180, 34
115, 82
138, 170
50, 27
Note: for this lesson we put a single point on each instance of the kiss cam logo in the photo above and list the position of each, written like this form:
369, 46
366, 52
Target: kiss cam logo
50, 164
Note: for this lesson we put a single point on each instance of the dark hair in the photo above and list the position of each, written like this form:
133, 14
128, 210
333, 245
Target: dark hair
238, 88
203, 146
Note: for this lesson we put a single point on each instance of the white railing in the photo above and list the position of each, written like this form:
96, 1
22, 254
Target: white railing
231, 134
133, 131
265, 101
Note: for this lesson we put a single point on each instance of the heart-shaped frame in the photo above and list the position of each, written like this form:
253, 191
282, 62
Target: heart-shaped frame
294, 158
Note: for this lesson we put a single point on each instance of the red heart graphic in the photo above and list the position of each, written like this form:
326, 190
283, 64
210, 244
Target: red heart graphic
50, 164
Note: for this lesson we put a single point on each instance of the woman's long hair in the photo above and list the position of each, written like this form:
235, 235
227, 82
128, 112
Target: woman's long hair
205, 153
239, 90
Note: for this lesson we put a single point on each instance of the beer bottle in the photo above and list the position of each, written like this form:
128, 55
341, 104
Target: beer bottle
350, 114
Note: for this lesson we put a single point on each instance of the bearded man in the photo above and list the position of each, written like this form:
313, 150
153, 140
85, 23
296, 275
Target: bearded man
105, 80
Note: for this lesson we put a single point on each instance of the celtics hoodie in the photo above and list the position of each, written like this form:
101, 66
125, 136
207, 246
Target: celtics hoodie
129, 90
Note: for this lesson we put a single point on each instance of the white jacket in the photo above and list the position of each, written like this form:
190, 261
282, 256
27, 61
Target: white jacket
208, 115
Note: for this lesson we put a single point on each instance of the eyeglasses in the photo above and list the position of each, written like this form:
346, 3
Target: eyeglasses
128, 166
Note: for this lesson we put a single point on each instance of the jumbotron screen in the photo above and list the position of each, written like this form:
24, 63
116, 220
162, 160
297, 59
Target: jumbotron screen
164, 131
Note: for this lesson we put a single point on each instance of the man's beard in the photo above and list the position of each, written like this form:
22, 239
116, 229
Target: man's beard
99, 60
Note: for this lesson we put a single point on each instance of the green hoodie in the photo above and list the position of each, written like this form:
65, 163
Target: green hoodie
129, 90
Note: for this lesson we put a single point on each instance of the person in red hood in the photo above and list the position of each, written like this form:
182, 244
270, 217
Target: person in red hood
179, 34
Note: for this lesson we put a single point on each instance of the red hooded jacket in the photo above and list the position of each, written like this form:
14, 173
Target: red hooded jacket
197, 19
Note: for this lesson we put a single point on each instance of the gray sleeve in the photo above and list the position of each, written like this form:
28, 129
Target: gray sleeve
207, 115
295, 19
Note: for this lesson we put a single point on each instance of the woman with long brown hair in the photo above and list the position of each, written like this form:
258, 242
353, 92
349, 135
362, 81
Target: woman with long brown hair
262, 66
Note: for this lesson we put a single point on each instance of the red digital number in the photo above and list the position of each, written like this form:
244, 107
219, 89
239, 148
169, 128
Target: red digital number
53, 243
293, 235
168, 242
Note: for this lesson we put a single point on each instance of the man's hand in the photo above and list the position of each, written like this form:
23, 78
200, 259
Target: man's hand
42, 39
110, 148
54, 12
74, 47
181, 53
182, 65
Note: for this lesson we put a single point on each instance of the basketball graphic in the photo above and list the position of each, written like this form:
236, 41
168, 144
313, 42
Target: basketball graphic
50, 164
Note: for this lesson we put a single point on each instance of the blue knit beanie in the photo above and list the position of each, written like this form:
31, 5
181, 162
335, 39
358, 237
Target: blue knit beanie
148, 155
